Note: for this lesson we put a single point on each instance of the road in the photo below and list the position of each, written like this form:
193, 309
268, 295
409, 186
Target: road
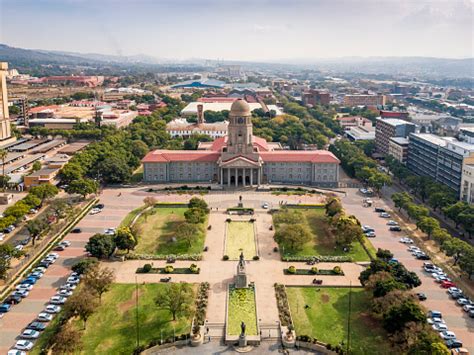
457, 320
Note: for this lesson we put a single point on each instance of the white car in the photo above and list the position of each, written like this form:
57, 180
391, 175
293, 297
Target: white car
440, 327
452, 290
435, 320
68, 287
64, 293
95, 211
413, 248
52, 308
53, 255
39, 269
57, 300
73, 280
392, 223
384, 215
66, 243
468, 307
30, 334
24, 345
24, 287
446, 335
19, 247
44, 317
463, 301
109, 231
406, 240
16, 352
265, 206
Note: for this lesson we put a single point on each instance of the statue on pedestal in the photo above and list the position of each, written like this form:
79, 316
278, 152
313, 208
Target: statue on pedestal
242, 328
240, 278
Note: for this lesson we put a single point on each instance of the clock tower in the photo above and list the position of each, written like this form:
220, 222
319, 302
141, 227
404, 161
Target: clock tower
240, 138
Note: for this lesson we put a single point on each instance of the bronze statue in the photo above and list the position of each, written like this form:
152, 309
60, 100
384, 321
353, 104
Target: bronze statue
242, 328
241, 259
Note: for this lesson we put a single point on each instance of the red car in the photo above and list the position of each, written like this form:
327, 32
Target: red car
447, 284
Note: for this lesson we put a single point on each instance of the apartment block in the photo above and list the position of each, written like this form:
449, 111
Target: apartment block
398, 148
389, 128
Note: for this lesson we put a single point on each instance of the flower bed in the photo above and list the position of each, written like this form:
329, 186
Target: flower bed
283, 306
318, 258
168, 270
191, 257
242, 308
201, 304
310, 272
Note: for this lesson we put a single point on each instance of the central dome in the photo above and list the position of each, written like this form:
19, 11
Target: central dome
240, 107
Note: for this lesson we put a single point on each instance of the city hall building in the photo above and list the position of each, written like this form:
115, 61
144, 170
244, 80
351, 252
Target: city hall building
241, 159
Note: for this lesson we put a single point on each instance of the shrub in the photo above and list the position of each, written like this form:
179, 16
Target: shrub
275, 249
337, 270
225, 257
256, 257
193, 268
146, 268
169, 269
228, 220
292, 269
314, 270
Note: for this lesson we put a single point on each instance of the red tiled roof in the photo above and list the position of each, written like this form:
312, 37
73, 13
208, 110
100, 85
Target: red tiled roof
221, 142
42, 108
348, 118
304, 156
164, 156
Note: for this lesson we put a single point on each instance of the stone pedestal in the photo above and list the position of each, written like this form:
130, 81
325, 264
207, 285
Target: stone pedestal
242, 340
240, 279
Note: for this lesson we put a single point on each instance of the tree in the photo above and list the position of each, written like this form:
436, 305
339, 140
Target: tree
36, 227
455, 247
3, 157
150, 201
83, 265
294, 236
384, 254
99, 279
82, 187
378, 180
396, 317
381, 288
114, 169
18, 210
32, 200
60, 207
196, 202
101, 246
348, 230
176, 298
71, 172
44, 191
416, 212
82, 304
428, 225
124, 239
67, 340
455, 210
194, 215
440, 199
7, 252
36, 166
333, 206
402, 200
466, 262
187, 232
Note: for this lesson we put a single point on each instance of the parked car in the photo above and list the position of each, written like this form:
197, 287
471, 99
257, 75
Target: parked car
370, 234
59, 247
392, 223
384, 215
99, 206
76, 230
21, 293
395, 229
454, 343
421, 296
15, 352
69, 287
44, 317
27, 287
442, 278
447, 334
95, 211
471, 313
423, 256
36, 274
447, 284
57, 300
413, 248
19, 247
64, 293
29, 281
13, 299
451, 290
52, 308
73, 280
468, 307
440, 327
109, 231
435, 314
463, 301
379, 209
367, 228
456, 295
39, 269
30, 334
66, 243
435, 320
265, 206
24, 345
406, 240
36, 326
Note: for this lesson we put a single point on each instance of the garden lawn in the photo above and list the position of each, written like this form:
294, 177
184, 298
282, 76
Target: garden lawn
240, 237
112, 328
326, 318
323, 242
157, 227
242, 308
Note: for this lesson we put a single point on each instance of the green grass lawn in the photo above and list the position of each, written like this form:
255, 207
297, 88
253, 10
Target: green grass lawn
326, 318
112, 328
242, 308
323, 242
157, 227
240, 237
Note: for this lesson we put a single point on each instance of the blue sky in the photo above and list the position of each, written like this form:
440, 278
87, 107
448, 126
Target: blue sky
243, 29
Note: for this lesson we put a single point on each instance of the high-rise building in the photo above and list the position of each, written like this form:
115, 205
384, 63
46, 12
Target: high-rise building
315, 97
441, 158
5, 132
389, 128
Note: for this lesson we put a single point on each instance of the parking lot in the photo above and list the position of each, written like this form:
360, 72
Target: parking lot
456, 319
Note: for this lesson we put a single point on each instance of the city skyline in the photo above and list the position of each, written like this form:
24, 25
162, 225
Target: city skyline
247, 31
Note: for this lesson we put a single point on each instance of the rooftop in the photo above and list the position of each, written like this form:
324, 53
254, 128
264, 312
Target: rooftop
400, 140
432, 138
393, 121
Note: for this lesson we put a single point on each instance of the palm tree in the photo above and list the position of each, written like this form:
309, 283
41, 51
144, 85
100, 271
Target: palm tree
3, 156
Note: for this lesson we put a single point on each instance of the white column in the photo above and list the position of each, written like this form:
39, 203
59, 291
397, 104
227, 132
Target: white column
228, 177
258, 177
244, 174
251, 177
236, 177
221, 170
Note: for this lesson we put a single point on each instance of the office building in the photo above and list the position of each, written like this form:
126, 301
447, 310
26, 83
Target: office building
364, 100
5, 132
316, 97
467, 181
389, 128
398, 148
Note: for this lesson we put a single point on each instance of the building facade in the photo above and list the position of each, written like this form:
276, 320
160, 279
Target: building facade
242, 159
364, 100
388, 128
315, 97
5, 132
467, 181
398, 148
